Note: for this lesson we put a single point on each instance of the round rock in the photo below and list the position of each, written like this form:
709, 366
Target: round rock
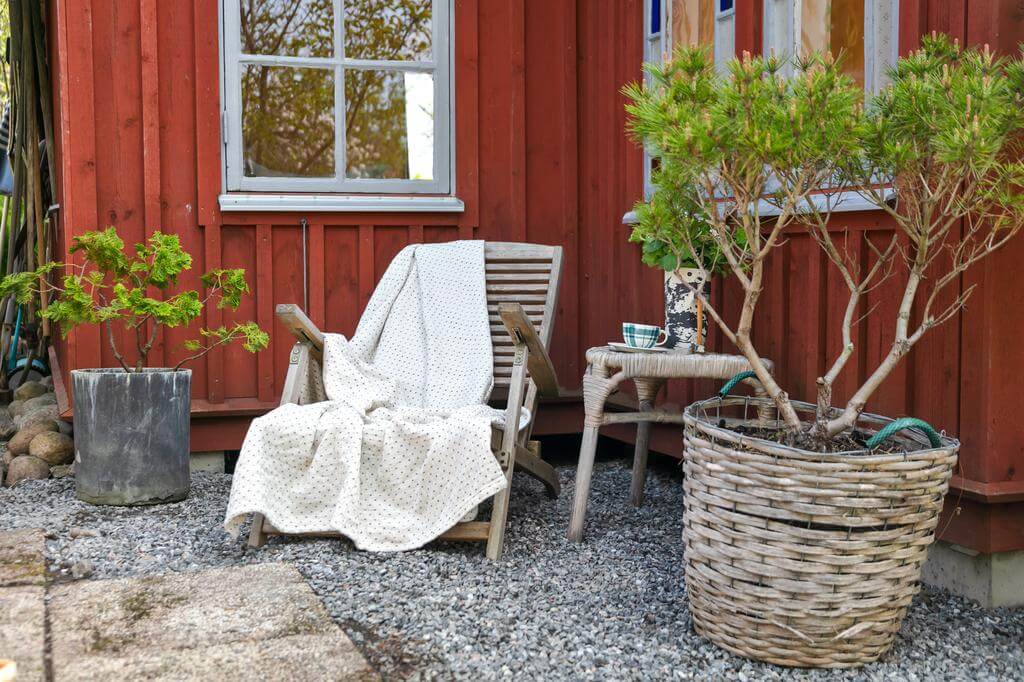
7, 426
47, 381
27, 468
29, 389
62, 470
33, 404
14, 409
53, 448
46, 413
19, 444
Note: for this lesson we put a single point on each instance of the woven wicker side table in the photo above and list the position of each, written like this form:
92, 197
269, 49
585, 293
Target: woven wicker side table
606, 369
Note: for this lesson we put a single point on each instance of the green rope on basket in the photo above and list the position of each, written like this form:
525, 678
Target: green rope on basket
729, 385
892, 428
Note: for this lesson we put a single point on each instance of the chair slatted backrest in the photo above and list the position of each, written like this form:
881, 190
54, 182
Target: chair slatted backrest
527, 274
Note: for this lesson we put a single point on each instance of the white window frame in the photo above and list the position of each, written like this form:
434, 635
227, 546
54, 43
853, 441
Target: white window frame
662, 39
440, 66
725, 37
783, 30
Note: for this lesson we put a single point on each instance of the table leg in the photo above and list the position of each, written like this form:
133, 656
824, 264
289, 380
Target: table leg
643, 436
584, 470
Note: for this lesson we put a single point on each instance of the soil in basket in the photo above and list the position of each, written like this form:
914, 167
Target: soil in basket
854, 441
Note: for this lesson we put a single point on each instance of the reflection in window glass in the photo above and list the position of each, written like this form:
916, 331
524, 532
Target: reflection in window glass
846, 36
389, 124
397, 30
295, 28
287, 122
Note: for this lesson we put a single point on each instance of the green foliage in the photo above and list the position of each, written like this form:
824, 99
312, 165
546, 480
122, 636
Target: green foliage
725, 144
113, 286
672, 225
950, 124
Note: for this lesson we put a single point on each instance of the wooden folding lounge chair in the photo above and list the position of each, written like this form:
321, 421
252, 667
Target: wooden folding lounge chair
522, 292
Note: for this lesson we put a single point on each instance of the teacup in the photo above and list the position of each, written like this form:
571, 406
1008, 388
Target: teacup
643, 335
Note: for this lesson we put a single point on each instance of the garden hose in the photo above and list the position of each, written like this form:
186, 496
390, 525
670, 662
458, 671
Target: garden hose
735, 380
888, 431
893, 427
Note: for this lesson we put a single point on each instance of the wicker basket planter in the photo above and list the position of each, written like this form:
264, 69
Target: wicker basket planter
803, 558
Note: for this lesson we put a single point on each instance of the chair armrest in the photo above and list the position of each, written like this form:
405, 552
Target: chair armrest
522, 331
300, 325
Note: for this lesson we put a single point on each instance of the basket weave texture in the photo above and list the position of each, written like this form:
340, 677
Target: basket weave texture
803, 558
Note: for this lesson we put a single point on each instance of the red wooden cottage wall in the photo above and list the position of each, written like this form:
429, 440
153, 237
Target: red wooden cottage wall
541, 156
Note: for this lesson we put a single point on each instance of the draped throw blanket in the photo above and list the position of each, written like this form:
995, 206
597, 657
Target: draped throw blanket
400, 449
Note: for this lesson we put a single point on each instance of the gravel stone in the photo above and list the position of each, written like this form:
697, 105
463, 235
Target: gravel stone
20, 443
82, 569
29, 389
53, 448
612, 607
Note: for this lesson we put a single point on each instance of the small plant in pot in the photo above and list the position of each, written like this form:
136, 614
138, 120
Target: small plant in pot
676, 237
806, 523
132, 421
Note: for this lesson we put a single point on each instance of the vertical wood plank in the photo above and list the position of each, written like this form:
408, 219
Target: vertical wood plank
214, 319
366, 265
149, 42
415, 234
466, 126
151, 181
206, 29
317, 308
517, 141
79, 145
265, 307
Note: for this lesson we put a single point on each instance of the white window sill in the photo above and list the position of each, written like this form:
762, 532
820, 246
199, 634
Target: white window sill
843, 202
340, 203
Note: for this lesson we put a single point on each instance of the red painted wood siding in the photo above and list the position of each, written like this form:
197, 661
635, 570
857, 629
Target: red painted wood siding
541, 156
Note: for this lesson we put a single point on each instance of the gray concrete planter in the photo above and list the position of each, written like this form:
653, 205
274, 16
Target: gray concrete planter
131, 435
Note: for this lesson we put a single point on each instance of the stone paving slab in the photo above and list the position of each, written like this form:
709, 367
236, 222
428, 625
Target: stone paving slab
22, 601
251, 622
22, 629
21, 557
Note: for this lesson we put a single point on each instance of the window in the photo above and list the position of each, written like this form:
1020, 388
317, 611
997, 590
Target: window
669, 23
863, 31
337, 96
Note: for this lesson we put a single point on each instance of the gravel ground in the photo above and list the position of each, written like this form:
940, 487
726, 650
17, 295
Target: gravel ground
613, 607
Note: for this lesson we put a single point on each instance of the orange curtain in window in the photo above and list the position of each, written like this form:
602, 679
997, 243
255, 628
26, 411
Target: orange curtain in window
693, 22
837, 26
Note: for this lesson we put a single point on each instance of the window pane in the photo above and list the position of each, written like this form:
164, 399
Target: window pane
847, 36
655, 16
297, 28
287, 121
399, 30
724, 5
389, 124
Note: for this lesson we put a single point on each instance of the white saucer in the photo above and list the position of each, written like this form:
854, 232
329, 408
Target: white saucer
623, 348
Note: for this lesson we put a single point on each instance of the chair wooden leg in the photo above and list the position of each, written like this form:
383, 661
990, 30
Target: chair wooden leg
584, 470
256, 535
643, 436
529, 461
499, 514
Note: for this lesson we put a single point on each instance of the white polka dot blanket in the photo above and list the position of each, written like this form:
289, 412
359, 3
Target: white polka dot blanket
397, 448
